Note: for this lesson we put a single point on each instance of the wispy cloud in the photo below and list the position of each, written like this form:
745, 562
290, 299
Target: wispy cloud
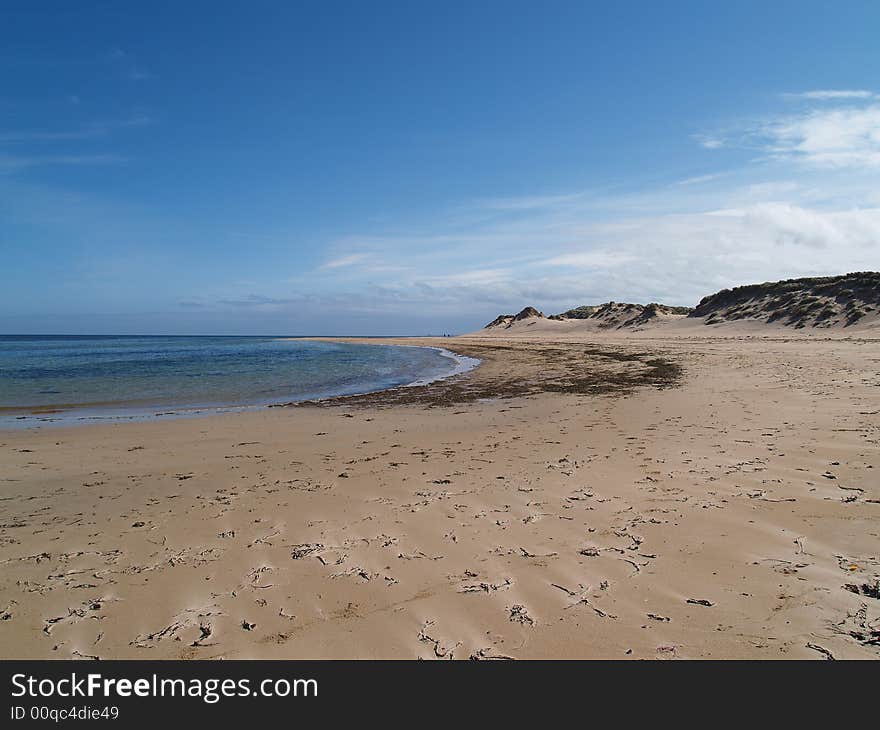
805, 202
593, 259
527, 202
91, 130
701, 179
837, 137
121, 58
673, 243
468, 277
20, 136
831, 94
14, 163
342, 261
27, 149
260, 301
137, 74
842, 132
709, 142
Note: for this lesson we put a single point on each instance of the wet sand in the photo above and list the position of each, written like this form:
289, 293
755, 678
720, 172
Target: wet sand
574, 497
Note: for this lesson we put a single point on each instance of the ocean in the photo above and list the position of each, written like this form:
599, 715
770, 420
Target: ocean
61, 378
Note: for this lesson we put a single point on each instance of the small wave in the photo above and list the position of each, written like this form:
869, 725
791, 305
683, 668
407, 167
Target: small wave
463, 364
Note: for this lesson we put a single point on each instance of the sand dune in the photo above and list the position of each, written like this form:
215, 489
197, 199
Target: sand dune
575, 496
849, 303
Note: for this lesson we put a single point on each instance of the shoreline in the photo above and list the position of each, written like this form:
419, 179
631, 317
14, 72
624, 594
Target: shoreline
13, 418
563, 500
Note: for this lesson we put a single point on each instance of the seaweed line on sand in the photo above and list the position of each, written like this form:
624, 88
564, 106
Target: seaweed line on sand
513, 371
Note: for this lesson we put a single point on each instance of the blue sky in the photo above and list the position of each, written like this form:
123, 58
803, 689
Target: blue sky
406, 168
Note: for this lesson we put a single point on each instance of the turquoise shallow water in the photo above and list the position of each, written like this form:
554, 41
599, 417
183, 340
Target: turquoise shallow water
51, 378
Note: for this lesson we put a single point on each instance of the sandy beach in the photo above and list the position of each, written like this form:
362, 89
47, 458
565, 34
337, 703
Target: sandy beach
692, 494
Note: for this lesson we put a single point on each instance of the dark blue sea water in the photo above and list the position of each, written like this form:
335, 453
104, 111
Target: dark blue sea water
50, 378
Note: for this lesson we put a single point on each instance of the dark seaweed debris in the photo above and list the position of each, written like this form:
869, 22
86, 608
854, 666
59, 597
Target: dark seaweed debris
515, 371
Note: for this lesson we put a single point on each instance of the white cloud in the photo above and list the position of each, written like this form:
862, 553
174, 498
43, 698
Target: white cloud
759, 231
594, 259
710, 142
87, 131
809, 205
839, 231
701, 179
528, 202
471, 277
37, 136
14, 163
840, 137
678, 258
845, 134
343, 261
674, 244
139, 75
831, 94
